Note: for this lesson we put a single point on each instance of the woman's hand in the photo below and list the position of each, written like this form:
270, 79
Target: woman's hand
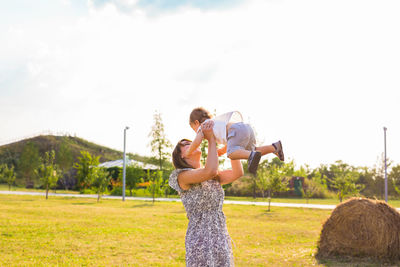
207, 129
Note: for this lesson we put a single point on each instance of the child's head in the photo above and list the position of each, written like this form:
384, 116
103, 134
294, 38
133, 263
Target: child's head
198, 116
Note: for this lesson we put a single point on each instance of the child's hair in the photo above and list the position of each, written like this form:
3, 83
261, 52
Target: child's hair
200, 114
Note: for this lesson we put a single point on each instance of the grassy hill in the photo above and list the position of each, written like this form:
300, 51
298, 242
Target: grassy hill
10, 153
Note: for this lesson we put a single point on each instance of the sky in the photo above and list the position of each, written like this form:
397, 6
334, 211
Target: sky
321, 76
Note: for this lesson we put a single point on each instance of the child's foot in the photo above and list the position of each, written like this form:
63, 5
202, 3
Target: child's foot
253, 161
279, 150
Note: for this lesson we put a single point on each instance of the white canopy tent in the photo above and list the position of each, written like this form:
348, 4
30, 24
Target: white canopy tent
129, 162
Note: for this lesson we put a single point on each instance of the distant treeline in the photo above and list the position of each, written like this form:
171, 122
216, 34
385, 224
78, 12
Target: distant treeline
22, 164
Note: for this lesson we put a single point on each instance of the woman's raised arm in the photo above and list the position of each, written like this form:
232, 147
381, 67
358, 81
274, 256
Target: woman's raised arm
210, 170
229, 176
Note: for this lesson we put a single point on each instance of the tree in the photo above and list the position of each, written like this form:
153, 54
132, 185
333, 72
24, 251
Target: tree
315, 186
159, 142
156, 183
319, 178
272, 180
64, 160
367, 179
2, 167
28, 162
84, 166
310, 188
166, 173
379, 176
9, 157
264, 178
345, 179
133, 175
101, 178
275, 163
47, 171
394, 177
327, 175
7, 175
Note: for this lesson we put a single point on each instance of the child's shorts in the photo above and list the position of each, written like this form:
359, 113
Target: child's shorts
240, 136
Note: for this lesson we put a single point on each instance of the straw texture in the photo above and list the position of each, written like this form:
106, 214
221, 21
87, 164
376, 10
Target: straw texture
361, 227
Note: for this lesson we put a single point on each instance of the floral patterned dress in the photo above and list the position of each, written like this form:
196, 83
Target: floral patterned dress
207, 240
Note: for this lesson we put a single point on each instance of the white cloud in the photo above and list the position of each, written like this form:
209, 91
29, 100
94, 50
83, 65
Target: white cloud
320, 76
66, 2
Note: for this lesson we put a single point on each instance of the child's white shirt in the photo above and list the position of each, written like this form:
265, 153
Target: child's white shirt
220, 123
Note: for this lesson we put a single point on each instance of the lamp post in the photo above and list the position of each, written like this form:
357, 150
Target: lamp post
386, 185
124, 166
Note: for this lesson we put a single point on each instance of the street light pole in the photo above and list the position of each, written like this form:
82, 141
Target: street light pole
386, 184
124, 166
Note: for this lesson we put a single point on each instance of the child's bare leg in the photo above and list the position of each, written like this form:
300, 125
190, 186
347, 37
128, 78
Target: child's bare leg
275, 148
239, 154
266, 149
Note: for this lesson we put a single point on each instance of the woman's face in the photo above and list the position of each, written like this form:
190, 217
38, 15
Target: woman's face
185, 146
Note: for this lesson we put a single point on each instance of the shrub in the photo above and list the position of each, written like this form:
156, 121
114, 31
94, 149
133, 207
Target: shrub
241, 187
313, 189
117, 191
87, 191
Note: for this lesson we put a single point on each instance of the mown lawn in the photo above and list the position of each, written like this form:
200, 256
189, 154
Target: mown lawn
76, 232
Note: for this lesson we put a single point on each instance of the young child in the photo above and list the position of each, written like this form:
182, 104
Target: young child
238, 138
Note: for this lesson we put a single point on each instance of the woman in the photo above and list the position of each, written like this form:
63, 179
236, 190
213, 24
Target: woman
207, 240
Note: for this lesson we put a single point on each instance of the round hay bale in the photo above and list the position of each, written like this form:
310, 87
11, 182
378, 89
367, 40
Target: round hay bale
361, 227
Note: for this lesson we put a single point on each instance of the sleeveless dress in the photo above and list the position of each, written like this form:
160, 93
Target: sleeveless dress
207, 240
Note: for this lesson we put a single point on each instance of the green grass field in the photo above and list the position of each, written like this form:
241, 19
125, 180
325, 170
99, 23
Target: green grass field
76, 232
